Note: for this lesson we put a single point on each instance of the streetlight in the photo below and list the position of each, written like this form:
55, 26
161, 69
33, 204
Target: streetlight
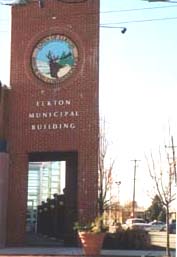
123, 29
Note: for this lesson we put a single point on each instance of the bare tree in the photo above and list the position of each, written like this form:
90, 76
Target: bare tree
164, 185
105, 169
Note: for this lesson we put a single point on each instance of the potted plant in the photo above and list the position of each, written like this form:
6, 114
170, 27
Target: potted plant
91, 235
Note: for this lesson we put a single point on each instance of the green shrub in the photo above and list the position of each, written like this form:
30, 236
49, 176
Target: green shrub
127, 239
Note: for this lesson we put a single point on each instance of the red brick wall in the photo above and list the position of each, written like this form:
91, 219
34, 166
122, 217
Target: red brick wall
4, 161
80, 22
4, 92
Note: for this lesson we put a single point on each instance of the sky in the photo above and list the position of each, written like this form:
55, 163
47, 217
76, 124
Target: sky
138, 84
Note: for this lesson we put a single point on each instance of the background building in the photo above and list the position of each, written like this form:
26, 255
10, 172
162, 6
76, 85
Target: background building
44, 180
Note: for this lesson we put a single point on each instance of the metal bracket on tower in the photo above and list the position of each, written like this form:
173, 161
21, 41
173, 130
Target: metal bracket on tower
41, 3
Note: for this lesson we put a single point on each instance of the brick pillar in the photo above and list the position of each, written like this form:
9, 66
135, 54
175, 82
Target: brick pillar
4, 162
16, 218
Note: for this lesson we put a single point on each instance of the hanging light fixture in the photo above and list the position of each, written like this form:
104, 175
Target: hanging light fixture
123, 29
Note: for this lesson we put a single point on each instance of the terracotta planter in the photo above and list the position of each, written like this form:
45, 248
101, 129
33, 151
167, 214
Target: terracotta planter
91, 242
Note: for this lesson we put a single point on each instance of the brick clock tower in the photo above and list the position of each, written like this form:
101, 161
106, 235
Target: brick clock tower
53, 104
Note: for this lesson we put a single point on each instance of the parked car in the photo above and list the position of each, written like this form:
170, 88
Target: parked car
157, 225
137, 223
172, 228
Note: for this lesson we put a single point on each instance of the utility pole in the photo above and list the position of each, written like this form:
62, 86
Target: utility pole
118, 183
174, 158
134, 185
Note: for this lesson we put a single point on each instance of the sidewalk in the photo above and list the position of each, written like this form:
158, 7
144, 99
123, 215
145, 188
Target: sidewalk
74, 251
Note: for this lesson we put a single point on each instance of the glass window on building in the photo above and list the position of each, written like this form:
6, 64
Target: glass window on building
44, 180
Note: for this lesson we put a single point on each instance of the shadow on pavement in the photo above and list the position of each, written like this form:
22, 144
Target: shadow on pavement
34, 239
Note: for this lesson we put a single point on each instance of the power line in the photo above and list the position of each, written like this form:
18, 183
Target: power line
138, 9
137, 21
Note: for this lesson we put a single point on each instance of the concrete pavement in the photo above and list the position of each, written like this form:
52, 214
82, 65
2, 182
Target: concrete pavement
74, 251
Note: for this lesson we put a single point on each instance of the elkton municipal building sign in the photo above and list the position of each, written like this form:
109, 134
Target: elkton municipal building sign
53, 120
